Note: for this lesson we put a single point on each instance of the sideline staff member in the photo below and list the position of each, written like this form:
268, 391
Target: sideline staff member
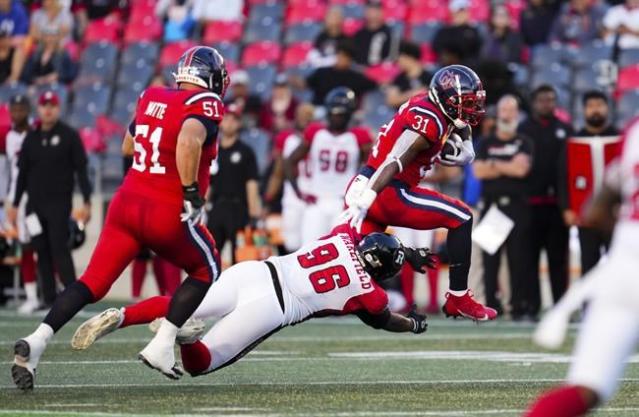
234, 190
503, 163
51, 156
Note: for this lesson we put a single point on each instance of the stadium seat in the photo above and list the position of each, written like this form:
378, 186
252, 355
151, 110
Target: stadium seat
342, 2
135, 76
585, 79
81, 117
230, 51
124, 99
107, 30
92, 140
301, 71
383, 73
591, 53
398, 28
295, 54
262, 78
377, 117
628, 78
521, 74
8, 90
171, 52
351, 26
144, 29
424, 32
515, 7
134, 52
264, 30
5, 120
93, 98
479, 11
427, 11
553, 74
629, 57
304, 32
372, 101
273, 10
301, 14
261, 53
353, 10
98, 63
627, 108
544, 54
260, 142
221, 31
429, 57
395, 11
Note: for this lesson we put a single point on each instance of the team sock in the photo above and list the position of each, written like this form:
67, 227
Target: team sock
145, 311
565, 401
196, 358
186, 300
66, 306
459, 245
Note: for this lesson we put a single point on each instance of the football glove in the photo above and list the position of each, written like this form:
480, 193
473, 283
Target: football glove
193, 204
465, 156
419, 321
356, 213
418, 258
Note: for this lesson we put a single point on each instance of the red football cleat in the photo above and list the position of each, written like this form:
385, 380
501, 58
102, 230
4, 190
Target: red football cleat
466, 306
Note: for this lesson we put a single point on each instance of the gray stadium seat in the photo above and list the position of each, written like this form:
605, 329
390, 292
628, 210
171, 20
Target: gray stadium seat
304, 32
263, 30
9, 90
274, 10
544, 54
81, 117
229, 51
627, 108
262, 78
593, 52
260, 142
373, 101
424, 32
629, 57
124, 102
98, 63
147, 51
135, 76
553, 74
93, 98
585, 79
378, 117
353, 11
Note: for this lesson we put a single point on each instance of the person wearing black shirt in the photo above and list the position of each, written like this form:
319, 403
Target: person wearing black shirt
413, 79
51, 156
325, 45
7, 52
458, 43
234, 192
502, 164
375, 38
536, 20
597, 124
323, 80
548, 230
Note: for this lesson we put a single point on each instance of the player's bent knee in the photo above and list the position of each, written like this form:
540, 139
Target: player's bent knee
98, 289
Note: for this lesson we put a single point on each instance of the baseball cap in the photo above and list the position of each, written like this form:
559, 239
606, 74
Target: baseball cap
457, 5
234, 108
19, 99
49, 97
240, 77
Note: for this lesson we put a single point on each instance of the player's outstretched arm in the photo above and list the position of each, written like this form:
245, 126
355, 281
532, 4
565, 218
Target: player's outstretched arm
393, 322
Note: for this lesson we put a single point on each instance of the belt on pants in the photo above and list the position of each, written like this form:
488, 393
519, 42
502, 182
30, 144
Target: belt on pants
276, 284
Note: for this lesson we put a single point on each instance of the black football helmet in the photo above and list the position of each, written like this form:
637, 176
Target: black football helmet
77, 234
203, 66
460, 95
340, 105
382, 255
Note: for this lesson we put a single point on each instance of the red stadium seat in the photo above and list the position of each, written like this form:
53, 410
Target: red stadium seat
301, 14
171, 52
383, 73
351, 26
428, 11
305, 3
261, 53
221, 31
628, 79
428, 55
347, 1
296, 54
145, 29
107, 29
479, 10
395, 10
515, 7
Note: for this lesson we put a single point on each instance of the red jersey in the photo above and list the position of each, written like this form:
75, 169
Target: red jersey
158, 120
420, 115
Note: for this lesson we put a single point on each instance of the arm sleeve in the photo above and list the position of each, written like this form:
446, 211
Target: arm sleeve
79, 157
376, 321
23, 170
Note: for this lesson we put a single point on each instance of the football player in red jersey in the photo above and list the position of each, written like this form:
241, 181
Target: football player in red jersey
335, 275
386, 193
159, 206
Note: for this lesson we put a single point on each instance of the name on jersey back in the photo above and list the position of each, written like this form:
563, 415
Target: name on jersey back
364, 278
155, 109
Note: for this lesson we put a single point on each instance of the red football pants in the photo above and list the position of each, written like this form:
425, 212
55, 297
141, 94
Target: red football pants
414, 208
134, 221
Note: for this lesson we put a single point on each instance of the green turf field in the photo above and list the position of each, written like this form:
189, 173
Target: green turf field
332, 367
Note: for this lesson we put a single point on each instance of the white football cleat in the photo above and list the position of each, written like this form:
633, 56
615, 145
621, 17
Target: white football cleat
96, 327
551, 331
189, 333
161, 357
27, 353
28, 307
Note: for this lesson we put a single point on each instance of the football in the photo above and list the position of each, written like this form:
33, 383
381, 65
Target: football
451, 146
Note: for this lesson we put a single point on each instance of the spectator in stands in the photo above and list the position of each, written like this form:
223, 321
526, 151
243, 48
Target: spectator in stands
460, 41
234, 195
414, 79
50, 63
179, 22
208, 10
503, 163
279, 112
51, 17
325, 45
535, 22
323, 80
621, 25
502, 42
14, 23
241, 96
597, 124
578, 23
375, 38
548, 230
7, 57
88, 10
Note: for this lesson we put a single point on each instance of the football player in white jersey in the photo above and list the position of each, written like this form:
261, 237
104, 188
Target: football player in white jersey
334, 153
335, 275
609, 333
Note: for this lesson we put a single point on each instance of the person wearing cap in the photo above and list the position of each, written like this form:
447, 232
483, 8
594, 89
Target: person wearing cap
234, 192
374, 39
279, 112
459, 42
19, 109
51, 158
413, 80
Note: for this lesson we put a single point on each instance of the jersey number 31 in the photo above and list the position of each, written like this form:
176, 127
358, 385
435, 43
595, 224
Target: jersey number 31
327, 279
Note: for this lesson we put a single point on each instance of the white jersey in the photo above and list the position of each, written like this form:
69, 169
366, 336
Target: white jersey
14, 144
291, 142
333, 159
628, 172
326, 277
